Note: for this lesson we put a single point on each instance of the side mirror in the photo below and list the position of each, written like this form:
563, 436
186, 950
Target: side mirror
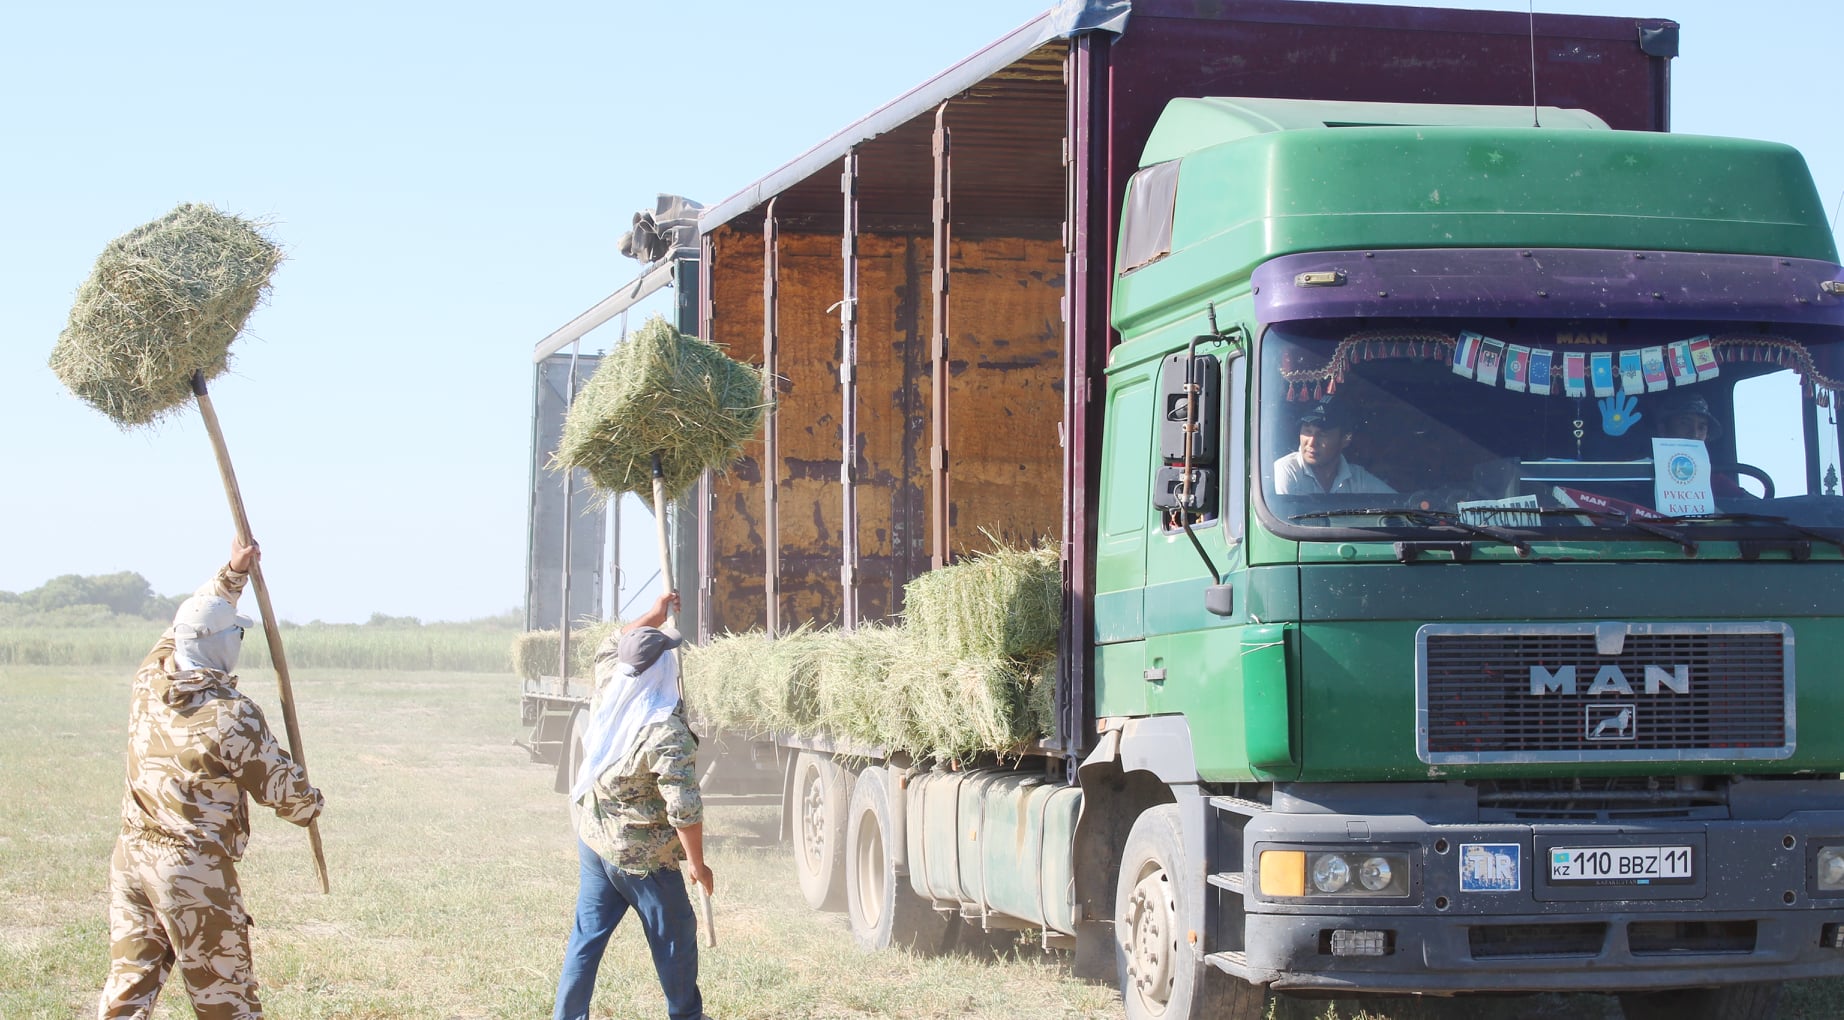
1170, 489
1177, 394
1220, 600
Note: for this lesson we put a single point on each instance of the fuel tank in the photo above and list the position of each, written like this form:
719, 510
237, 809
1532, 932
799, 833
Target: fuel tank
995, 842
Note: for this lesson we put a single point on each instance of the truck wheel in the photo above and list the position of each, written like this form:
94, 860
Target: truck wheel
570, 758
1730, 1002
883, 910
1161, 976
822, 794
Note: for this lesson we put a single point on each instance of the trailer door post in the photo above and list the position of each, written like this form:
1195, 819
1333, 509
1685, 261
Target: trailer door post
940, 553
848, 386
771, 439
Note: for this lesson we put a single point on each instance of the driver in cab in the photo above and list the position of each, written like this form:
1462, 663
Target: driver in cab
1319, 465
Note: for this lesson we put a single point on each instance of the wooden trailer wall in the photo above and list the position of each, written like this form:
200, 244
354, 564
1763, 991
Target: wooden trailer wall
1005, 401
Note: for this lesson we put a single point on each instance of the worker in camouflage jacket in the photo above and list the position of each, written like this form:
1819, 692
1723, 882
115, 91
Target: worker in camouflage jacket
640, 819
196, 748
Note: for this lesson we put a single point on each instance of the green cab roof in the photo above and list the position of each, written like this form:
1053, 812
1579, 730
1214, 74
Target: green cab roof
1265, 178
1188, 125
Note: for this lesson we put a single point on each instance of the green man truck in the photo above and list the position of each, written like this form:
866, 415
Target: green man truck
1443, 460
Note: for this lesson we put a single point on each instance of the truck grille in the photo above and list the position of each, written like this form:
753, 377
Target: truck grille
1604, 692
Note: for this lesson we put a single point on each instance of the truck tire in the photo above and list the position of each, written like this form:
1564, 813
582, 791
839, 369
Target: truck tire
570, 757
1161, 977
1730, 1002
821, 796
881, 907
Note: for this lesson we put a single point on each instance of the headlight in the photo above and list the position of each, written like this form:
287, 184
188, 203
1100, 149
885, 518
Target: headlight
1830, 868
1354, 873
1331, 874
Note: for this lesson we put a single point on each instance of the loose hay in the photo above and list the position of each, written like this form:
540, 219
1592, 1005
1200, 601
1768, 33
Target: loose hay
165, 300
661, 392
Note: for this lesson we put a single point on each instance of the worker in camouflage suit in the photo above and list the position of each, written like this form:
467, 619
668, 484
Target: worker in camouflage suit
196, 747
639, 818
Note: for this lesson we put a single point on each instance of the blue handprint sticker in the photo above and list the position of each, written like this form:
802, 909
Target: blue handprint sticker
1617, 414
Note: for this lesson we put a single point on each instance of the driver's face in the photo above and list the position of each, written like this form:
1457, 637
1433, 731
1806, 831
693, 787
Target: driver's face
1686, 426
1322, 445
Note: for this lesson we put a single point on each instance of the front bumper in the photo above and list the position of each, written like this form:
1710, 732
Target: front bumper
1750, 911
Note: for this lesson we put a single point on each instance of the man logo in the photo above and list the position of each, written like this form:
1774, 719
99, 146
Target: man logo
1610, 680
1611, 722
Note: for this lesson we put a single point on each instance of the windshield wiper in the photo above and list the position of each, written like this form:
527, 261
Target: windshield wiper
1746, 518
1688, 544
1427, 518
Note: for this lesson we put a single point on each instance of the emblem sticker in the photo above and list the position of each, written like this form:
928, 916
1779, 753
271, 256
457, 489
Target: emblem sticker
1611, 722
1490, 867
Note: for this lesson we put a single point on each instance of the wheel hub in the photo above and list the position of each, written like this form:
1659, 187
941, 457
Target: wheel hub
812, 825
1151, 945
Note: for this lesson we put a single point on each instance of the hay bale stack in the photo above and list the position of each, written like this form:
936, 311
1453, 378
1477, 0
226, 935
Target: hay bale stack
1004, 603
164, 300
748, 683
723, 681
534, 653
661, 392
968, 673
854, 695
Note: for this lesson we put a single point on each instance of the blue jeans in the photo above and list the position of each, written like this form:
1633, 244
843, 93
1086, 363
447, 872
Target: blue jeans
603, 896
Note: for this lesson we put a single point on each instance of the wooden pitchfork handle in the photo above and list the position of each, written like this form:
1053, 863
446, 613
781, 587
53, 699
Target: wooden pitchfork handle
665, 552
270, 628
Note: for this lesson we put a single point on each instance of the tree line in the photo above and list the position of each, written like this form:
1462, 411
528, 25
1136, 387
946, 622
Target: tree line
124, 594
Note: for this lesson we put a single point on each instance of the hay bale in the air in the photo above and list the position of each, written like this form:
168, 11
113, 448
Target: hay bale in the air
660, 391
165, 300
1007, 602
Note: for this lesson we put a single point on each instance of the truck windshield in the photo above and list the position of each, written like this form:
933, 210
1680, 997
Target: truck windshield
1525, 425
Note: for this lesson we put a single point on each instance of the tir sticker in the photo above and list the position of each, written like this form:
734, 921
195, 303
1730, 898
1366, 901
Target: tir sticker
1490, 867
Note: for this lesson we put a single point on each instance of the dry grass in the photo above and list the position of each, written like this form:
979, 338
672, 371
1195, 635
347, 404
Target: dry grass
661, 392
453, 875
165, 300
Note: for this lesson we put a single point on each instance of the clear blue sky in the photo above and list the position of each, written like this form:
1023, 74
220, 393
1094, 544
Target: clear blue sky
449, 181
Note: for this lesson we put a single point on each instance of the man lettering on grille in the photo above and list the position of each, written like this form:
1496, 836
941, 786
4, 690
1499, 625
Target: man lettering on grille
639, 818
196, 748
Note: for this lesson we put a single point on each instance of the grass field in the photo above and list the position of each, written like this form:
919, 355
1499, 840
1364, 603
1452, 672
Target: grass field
436, 646
453, 875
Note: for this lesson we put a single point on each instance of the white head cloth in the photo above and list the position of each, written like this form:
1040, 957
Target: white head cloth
208, 633
627, 703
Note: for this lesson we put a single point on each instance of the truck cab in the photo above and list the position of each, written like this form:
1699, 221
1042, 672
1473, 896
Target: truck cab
1470, 482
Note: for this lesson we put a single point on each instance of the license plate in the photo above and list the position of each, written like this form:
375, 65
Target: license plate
1620, 864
